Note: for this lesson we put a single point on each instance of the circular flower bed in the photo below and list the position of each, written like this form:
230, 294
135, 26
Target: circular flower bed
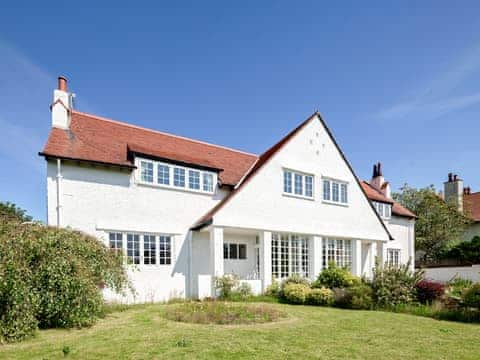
223, 313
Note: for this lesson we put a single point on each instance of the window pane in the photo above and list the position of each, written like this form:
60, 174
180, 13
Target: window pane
233, 251
149, 250
133, 248
298, 184
146, 171
338, 251
326, 190
179, 177
225, 251
308, 186
380, 209
335, 192
165, 250
163, 174
207, 182
343, 193
287, 182
242, 251
116, 241
194, 179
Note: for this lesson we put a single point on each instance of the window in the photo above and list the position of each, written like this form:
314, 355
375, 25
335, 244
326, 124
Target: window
234, 251
298, 184
116, 241
207, 182
383, 209
289, 255
133, 248
335, 191
287, 182
337, 250
326, 190
302, 184
179, 177
146, 168
165, 250
194, 179
393, 257
149, 250
163, 174
308, 185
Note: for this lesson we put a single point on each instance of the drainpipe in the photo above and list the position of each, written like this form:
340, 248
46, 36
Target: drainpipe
59, 192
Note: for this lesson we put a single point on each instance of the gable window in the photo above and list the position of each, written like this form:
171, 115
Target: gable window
287, 181
146, 168
165, 250
297, 183
234, 251
133, 248
393, 257
194, 179
289, 255
207, 182
335, 191
179, 177
163, 174
116, 241
337, 250
149, 250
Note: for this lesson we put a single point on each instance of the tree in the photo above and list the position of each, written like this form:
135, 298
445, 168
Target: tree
10, 211
439, 224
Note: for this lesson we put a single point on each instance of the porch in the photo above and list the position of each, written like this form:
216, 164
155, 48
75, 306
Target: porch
259, 257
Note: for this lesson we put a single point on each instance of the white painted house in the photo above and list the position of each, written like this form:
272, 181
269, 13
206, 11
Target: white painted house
184, 211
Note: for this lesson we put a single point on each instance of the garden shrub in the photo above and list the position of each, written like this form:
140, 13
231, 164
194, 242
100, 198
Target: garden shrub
358, 297
427, 291
394, 285
320, 296
296, 293
471, 297
51, 277
335, 277
457, 286
225, 285
274, 289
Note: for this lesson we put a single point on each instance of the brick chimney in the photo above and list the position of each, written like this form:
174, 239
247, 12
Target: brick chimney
62, 104
378, 181
453, 190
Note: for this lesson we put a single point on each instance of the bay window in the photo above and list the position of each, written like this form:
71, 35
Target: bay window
337, 250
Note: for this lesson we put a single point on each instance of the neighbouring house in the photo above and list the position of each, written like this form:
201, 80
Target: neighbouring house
466, 201
184, 211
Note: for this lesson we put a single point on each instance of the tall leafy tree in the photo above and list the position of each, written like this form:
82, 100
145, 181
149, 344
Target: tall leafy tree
439, 224
11, 211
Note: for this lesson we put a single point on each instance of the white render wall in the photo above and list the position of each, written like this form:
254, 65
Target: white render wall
447, 273
403, 232
96, 200
311, 151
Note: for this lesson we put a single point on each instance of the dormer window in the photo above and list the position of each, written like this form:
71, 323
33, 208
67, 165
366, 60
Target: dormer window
297, 184
383, 209
163, 174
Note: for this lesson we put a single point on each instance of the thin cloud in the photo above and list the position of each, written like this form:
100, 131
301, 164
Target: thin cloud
439, 96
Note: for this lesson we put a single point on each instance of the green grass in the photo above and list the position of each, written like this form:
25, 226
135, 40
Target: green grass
142, 332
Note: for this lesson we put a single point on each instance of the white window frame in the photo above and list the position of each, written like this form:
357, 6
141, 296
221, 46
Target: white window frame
207, 179
227, 247
394, 257
338, 250
383, 209
289, 183
166, 255
290, 255
339, 185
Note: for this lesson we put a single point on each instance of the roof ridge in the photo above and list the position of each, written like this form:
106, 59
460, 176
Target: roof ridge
162, 133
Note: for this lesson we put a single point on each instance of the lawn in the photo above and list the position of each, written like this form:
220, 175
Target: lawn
141, 332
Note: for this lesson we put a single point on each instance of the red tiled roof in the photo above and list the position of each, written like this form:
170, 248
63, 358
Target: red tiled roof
375, 195
471, 203
95, 139
265, 157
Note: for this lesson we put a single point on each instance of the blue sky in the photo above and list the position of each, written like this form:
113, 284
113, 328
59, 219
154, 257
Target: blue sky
397, 82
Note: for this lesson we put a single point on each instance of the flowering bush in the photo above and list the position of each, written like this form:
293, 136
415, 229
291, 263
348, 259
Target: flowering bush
428, 291
296, 293
335, 277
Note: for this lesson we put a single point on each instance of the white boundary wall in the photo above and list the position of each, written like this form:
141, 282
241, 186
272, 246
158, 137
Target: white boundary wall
447, 273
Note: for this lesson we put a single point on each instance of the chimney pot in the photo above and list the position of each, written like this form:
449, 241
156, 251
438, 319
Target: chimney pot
62, 83
450, 177
379, 169
375, 172
455, 177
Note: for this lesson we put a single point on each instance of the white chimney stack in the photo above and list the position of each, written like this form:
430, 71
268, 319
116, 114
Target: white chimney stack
61, 105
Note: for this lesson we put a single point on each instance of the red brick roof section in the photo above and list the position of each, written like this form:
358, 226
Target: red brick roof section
95, 139
471, 204
375, 195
